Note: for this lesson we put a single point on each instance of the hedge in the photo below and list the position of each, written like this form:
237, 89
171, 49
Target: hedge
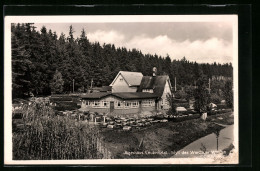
186, 105
65, 103
56, 99
187, 112
179, 119
221, 106
66, 106
180, 101
219, 111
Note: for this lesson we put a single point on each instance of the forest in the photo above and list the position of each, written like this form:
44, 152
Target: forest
40, 56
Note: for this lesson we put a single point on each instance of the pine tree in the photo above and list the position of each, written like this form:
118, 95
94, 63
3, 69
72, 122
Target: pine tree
37, 55
170, 99
57, 83
228, 93
201, 95
21, 63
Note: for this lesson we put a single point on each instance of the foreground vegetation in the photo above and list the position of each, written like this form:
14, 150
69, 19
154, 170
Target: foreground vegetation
41, 135
162, 137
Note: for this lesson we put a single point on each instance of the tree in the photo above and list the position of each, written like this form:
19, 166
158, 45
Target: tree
57, 83
201, 96
170, 99
189, 90
36, 55
21, 63
228, 93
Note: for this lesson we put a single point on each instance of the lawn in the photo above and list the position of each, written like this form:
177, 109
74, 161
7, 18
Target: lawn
160, 140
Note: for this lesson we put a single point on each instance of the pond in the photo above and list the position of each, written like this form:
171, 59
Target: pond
211, 143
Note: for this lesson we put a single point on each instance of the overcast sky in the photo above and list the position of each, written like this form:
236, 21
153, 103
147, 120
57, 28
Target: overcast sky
198, 41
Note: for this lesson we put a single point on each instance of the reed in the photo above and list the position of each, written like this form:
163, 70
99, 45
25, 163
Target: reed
46, 136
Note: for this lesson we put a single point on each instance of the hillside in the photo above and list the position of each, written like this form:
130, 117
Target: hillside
37, 55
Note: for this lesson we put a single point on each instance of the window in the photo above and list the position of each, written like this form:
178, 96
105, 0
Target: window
88, 103
135, 104
148, 90
148, 103
96, 104
121, 79
127, 105
164, 102
105, 104
119, 105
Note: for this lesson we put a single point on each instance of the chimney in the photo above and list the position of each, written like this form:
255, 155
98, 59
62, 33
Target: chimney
154, 71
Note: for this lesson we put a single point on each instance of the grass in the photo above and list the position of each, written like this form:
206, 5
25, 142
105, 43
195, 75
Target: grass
41, 135
162, 137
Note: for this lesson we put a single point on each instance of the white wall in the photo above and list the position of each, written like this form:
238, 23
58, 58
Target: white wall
120, 85
164, 102
146, 105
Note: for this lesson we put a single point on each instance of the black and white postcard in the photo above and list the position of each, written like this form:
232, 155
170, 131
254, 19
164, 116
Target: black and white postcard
121, 89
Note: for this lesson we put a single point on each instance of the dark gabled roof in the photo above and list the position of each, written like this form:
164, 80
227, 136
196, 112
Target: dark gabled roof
102, 89
123, 96
135, 95
156, 83
94, 96
106, 88
96, 88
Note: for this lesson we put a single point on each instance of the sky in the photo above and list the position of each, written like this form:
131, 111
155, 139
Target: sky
203, 42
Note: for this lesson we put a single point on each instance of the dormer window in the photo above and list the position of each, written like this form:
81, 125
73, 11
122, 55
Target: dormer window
148, 90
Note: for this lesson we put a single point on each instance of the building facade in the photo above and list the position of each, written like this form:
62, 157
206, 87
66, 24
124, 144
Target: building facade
132, 93
126, 82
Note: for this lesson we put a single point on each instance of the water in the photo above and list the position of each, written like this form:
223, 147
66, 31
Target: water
210, 143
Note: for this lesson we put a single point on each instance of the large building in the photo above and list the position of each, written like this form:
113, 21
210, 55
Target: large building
131, 93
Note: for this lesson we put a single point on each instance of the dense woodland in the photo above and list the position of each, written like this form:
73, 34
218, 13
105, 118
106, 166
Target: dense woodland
37, 56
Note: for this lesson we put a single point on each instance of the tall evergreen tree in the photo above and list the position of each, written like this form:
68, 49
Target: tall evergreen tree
228, 93
21, 66
201, 95
37, 55
57, 83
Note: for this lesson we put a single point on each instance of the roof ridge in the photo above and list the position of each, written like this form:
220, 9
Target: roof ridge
131, 71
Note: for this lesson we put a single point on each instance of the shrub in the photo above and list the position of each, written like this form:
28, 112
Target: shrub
221, 106
61, 106
47, 136
179, 119
219, 111
185, 105
180, 101
57, 99
215, 98
180, 94
188, 112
